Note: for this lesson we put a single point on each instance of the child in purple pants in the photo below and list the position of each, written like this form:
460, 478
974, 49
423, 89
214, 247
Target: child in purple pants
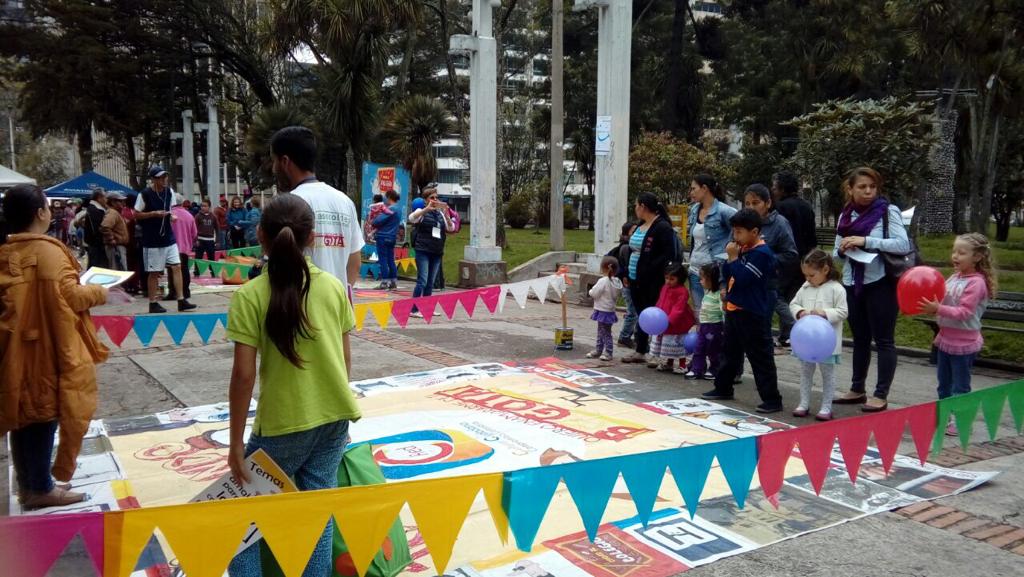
709, 334
605, 293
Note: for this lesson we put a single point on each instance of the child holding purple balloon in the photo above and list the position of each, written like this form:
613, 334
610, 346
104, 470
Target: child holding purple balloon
675, 301
712, 325
822, 295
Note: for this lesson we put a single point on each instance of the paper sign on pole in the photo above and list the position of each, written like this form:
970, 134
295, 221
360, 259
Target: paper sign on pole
603, 136
265, 478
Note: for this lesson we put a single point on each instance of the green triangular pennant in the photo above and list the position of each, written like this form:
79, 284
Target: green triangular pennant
992, 401
217, 267
1015, 398
965, 407
203, 266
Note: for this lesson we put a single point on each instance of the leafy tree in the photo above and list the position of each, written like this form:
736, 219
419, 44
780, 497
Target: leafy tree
1008, 192
893, 136
664, 165
45, 160
257, 139
410, 131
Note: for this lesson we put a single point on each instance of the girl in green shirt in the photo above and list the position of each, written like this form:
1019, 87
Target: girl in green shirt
296, 318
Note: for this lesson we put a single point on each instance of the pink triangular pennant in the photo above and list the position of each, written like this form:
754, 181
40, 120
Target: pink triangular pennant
888, 428
816, 444
490, 296
448, 302
468, 300
921, 419
117, 327
426, 305
32, 544
773, 452
400, 310
853, 442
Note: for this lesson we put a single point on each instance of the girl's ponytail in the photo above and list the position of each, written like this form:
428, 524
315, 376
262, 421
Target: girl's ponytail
287, 225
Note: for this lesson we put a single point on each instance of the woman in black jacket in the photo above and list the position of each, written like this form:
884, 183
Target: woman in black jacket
654, 246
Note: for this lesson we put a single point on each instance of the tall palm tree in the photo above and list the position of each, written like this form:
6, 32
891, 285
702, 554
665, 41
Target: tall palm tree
257, 139
410, 130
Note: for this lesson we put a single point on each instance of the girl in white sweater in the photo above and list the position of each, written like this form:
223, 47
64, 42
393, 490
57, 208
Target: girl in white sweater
824, 296
605, 293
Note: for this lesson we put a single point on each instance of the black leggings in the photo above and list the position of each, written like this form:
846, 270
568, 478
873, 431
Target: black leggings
873, 318
644, 295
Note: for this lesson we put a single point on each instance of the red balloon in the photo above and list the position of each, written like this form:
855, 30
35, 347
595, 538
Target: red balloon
920, 282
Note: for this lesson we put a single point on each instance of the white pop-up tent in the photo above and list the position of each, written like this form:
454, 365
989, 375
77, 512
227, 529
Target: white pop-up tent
10, 178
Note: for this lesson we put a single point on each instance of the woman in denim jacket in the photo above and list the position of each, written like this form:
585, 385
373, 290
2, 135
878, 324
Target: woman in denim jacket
707, 229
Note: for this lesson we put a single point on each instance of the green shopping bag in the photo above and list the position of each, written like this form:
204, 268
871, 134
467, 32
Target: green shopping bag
357, 468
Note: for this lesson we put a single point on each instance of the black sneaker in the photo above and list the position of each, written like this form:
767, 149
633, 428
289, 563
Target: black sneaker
714, 395
184, 305
171, 297
765, 408
155, 308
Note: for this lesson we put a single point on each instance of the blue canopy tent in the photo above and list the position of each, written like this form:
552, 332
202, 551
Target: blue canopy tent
82, 186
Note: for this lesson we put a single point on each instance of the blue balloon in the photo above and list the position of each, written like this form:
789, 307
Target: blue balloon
690, 342
813, 339
653, 321
418, 203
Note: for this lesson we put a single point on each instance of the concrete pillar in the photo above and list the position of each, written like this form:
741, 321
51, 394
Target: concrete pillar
482, 263
614, 48
557, 134
212, 154
188, 167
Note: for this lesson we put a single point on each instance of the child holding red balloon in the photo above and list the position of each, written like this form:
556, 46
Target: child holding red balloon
822, 295
675, 301
959, 314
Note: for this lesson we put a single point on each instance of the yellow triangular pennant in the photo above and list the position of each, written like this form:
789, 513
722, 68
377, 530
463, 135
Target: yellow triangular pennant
205, 536
360, 312
382, 312
292, 527
125, 534
364, 516
493, 486
440, 520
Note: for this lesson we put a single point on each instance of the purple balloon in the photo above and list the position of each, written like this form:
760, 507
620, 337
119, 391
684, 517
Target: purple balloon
690, 342
653, 321
813, 339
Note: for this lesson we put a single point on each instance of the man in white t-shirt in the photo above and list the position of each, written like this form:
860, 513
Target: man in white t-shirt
338, 235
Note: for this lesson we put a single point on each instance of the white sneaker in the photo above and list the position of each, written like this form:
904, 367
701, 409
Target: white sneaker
437, 313
593, 354
416, 314
605, 357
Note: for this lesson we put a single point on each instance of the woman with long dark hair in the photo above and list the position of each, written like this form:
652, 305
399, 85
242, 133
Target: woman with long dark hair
48, 349
654, 245
707, 229
869, 223
296, 318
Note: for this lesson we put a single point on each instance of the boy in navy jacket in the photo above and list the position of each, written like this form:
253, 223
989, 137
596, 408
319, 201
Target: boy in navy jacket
748, 307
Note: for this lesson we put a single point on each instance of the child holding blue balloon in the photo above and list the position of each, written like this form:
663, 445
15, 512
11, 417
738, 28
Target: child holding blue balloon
712, 324
823, 296
674, 300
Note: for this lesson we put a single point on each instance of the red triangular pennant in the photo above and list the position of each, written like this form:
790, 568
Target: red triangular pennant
816, 443
426, 306
921, 419
853, 442
490, 296
448, 302
400, 310
888, 428
468, 300
773, 452
117, 327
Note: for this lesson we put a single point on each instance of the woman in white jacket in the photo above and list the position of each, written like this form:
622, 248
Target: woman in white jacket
824, 296
606, 295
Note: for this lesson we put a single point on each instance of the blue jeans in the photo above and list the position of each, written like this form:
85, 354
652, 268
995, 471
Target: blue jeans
628, 321
427, 265
311, 458
696, 292
31, 451
954, 374
386, 258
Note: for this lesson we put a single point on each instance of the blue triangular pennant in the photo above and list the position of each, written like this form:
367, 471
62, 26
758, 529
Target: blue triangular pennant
145, 327
643, 474
176, 326
690, 467
526, 498
204, 325
738, 460
590, 483
223, 318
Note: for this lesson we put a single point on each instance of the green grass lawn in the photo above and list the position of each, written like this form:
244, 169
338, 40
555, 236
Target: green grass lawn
524, 244
1008, 255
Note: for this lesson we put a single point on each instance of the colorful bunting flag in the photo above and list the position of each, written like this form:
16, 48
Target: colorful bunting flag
519, 291
643, 474
205, 324
145, 327
360, 310
738, 459
490, 296
400, 310
382, 312
116, 326
30, 545
690, 467
426, 306
540, 287
468, 300
526, 497
965, 409
590, 484
448, 302
176, 326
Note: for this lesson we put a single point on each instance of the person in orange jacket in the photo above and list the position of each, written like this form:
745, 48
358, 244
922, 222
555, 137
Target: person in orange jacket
48, 349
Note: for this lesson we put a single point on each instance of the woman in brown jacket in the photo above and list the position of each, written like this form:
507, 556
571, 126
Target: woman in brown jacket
48, 349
